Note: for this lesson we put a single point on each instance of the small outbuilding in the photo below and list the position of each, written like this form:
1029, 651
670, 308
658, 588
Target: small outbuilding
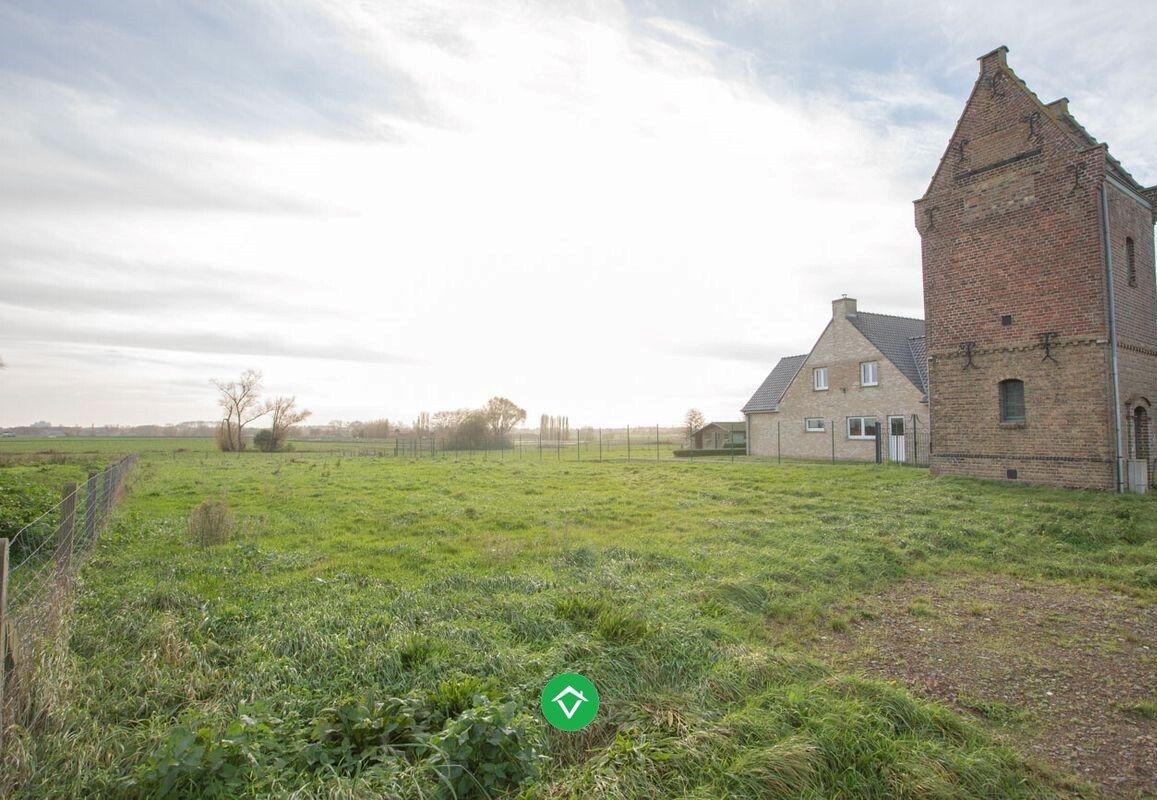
720, 436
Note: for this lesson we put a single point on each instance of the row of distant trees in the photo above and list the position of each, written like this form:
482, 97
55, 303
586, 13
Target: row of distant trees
241, 401
473, 428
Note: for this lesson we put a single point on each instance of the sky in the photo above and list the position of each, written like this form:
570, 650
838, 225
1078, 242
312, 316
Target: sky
613, 211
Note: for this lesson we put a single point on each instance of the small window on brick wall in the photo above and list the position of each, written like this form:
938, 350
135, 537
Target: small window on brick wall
813, 425
861, 427
1130, 261
1012, 401
820, 378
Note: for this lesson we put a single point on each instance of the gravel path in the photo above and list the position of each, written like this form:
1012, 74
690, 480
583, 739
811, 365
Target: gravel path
1063, 674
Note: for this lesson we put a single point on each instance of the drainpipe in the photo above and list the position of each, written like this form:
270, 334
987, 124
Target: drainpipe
1117, 428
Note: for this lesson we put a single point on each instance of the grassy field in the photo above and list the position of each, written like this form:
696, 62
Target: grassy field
381, 627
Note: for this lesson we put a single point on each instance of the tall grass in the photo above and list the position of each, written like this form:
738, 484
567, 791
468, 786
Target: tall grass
369, 612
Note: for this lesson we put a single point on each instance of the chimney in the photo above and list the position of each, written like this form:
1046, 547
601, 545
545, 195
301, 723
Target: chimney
844, 307
989, 61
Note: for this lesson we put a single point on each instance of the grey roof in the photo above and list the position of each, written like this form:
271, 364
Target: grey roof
727, 426
891, 335
770, 392
919, 347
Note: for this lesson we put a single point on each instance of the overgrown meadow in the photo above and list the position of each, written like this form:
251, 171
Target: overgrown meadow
382, 627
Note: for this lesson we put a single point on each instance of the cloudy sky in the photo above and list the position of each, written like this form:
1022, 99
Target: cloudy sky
609, 210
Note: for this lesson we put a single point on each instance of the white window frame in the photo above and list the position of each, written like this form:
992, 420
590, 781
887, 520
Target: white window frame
869, 373
820, 379
809, 429
869, 436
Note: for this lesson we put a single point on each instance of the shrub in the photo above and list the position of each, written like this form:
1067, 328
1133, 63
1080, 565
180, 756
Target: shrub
488, 750
22, 507
264, 441
211, 523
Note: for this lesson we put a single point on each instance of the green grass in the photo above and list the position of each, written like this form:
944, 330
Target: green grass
382, 627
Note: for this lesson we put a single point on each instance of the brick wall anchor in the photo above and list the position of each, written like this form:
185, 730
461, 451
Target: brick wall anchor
967, 347
1047, 339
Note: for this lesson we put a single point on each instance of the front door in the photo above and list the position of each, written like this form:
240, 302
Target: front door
896, 452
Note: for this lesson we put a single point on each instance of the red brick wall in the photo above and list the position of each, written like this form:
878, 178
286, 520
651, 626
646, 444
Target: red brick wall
1011, 227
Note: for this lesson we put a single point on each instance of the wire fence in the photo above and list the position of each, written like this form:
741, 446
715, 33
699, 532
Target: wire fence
904, 440
632, 443
37, 566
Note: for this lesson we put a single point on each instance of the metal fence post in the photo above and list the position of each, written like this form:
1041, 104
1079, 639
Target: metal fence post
778, 442
656, 442
600, 444
65, 532
628, 443
833, 441
90, 509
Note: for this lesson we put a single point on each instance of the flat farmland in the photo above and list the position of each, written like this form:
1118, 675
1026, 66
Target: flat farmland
382, 627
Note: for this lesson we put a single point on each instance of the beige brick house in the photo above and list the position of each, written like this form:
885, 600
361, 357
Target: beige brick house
865, 370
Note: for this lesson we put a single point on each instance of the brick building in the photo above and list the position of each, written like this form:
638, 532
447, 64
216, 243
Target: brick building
864, 374
1039, 297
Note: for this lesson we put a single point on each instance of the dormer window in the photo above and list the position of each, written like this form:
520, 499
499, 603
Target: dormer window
820, 379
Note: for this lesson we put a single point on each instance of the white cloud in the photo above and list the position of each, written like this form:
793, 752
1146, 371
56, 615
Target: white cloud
572, 204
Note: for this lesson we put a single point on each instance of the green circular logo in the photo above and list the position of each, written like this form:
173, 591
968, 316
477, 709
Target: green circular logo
569, 702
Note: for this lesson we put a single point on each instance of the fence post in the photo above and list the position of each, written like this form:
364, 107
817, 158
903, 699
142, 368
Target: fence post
3, 630
90, 509
833, 441
879, 452
600, 444
915, 443
106, 500
778, 443
64, 533
628, 443
656, 442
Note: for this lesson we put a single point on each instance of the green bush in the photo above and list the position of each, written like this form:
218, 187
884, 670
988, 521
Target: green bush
485, 749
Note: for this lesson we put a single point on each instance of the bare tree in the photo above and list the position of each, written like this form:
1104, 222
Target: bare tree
284, 415
694, 420
502, 415
240, 399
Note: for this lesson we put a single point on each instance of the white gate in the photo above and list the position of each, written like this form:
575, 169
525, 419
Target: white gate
896, 452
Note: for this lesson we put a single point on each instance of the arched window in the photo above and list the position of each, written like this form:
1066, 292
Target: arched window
1012, 401
1130, 262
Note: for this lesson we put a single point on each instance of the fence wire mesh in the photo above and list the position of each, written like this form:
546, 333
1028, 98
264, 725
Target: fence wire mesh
37, 565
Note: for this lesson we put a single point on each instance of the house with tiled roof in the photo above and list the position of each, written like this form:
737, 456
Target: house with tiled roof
866, 373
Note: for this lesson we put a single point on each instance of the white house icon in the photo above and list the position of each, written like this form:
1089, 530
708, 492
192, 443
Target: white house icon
570, 712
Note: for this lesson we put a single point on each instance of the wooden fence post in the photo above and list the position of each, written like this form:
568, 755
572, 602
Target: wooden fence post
3, 630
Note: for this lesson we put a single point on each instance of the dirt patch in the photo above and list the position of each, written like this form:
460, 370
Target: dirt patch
1062, 674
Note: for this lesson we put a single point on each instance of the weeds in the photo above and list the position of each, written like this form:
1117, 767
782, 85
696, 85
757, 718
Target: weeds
211, 523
